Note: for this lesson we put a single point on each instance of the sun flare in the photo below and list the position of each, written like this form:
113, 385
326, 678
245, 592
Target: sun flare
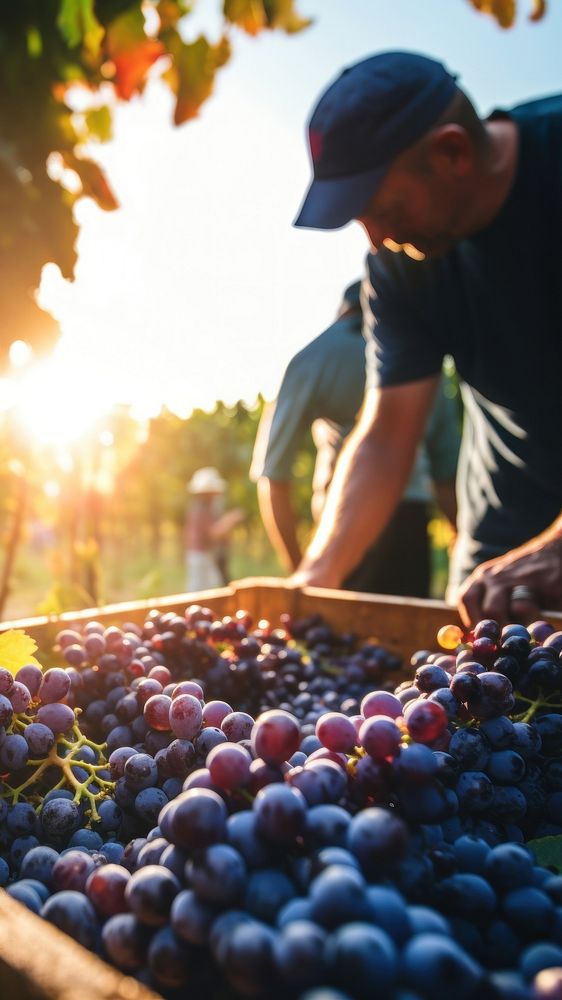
53, 404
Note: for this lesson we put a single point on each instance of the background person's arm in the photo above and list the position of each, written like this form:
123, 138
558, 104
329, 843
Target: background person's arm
279, 520
369, 480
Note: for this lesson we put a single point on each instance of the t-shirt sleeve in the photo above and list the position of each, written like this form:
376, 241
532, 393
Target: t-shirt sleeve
443, 435
283, 427
400, 345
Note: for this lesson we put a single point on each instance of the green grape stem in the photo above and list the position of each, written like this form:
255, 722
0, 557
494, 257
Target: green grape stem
535, 705
68, 778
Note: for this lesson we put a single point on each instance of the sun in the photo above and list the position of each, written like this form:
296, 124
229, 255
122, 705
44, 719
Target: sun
54, 403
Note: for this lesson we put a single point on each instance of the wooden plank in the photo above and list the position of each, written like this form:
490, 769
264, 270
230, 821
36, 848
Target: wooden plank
39, 962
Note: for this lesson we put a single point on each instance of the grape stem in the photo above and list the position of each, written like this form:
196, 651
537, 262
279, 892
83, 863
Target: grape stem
54, 759
534, 705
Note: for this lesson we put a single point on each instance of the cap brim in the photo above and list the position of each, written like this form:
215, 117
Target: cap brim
331, 204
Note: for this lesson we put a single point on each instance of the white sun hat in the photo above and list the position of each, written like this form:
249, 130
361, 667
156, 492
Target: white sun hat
206, 480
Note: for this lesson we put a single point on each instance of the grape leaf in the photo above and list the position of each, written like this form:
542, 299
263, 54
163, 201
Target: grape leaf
538, 10
99, 124
131, 52
548, 851
16, 650
79, 25
93, 180
282, 14
192, 75
247, 14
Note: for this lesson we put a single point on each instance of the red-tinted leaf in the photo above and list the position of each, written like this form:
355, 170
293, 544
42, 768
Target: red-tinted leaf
131, 52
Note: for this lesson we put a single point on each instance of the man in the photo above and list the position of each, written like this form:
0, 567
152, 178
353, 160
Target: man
477, 205
322, 390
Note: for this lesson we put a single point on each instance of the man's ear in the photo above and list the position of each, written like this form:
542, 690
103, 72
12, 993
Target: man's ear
451, 150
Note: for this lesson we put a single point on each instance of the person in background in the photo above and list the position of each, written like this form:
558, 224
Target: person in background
207, 530
322, 390
462, 216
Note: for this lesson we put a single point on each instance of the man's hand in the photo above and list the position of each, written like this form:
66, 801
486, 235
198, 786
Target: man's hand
313, 576
534, 568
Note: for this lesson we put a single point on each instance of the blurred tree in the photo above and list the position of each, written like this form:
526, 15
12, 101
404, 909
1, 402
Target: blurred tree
107, 48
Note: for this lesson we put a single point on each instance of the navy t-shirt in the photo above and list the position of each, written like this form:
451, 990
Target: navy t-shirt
495, 304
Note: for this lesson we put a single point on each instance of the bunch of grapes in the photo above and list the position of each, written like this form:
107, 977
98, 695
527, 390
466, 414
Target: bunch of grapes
320, 835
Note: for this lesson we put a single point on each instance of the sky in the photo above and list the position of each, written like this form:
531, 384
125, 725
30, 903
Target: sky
199, 288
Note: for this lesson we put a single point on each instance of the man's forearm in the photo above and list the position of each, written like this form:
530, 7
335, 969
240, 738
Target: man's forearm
278, 516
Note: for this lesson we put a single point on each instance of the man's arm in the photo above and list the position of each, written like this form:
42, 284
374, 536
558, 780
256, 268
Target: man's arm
278, 516
369, 480
536, 565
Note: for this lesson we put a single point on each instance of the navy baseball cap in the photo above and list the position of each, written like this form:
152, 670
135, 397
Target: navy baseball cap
373, 111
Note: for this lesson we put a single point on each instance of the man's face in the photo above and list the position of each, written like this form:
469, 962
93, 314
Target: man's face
416, 209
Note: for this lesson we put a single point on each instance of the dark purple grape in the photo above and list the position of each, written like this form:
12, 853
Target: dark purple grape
31, 676
54, 686
57, 717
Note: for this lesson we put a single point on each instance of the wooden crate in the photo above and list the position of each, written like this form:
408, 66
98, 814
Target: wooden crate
403, 624
38, 962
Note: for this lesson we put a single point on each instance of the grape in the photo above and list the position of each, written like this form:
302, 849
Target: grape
280, 813
380, 737
27, 895
237, 726
299, 954
229, 766
185, 715
156, 712
218, 875
363, 954
72, 870
6, 711
426, 721
197, 819
167, 959
248, 960
59, 818
336, 732
19, 696
215, 711
377, 838
105, 888
438, 968
140, 771
150, 892
40, 739
188, 687
72, 913
13, 752
59, 718
6, 681
275, 736
54, 686
125, 941
191, 918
